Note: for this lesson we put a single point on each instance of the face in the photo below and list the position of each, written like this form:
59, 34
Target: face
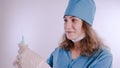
73, 27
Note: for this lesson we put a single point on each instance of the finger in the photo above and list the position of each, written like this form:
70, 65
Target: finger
19, 57
22, 44
18, 62
14, 62
20, 51
23, 47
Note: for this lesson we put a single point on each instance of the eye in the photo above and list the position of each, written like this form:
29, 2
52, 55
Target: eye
65, 20
74, 20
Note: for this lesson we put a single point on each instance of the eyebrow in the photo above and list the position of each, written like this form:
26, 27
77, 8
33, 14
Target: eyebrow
70, 17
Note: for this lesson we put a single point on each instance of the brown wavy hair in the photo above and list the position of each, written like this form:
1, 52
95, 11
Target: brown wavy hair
87, 45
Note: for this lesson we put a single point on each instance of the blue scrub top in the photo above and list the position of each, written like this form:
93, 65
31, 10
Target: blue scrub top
61, 58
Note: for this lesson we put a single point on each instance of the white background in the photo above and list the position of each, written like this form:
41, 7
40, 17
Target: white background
41, 23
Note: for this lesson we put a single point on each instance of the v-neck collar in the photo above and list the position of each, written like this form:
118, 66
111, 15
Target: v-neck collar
70, 56
81, 59
78, 58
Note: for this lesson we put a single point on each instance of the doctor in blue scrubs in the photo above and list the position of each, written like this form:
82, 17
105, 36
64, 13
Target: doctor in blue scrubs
80, 46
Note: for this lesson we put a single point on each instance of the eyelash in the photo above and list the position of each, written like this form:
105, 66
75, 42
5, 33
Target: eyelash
73, 20
65, 20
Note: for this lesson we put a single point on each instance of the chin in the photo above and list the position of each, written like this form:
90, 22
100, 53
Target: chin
70, 38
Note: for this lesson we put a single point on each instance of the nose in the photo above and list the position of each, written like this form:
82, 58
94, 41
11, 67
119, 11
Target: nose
68, 25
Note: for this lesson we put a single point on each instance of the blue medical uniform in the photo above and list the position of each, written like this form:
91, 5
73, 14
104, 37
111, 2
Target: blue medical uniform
61, 58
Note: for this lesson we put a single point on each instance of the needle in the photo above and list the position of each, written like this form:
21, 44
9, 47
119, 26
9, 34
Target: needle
22, 41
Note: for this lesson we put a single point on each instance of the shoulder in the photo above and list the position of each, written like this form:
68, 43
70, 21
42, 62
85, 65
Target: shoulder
102, 57
103, 52
58, 50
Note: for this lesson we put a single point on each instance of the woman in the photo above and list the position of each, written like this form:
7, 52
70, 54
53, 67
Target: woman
80, 46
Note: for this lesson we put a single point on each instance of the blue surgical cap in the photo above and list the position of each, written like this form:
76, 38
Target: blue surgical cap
83, 9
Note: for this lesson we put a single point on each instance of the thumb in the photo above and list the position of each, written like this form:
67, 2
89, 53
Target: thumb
22, 47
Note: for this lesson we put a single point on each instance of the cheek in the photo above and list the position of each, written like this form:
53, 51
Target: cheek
65, 27
79, 30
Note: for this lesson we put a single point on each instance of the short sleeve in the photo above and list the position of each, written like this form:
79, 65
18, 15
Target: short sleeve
52, 57
50, 60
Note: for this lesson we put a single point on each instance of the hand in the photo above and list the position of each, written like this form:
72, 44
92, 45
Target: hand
26, 58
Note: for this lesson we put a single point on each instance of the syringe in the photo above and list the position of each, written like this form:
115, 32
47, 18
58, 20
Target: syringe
22, 40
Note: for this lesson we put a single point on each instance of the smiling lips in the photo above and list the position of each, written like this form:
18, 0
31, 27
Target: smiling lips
69, 31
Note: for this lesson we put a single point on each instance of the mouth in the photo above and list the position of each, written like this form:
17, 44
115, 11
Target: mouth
69, 31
